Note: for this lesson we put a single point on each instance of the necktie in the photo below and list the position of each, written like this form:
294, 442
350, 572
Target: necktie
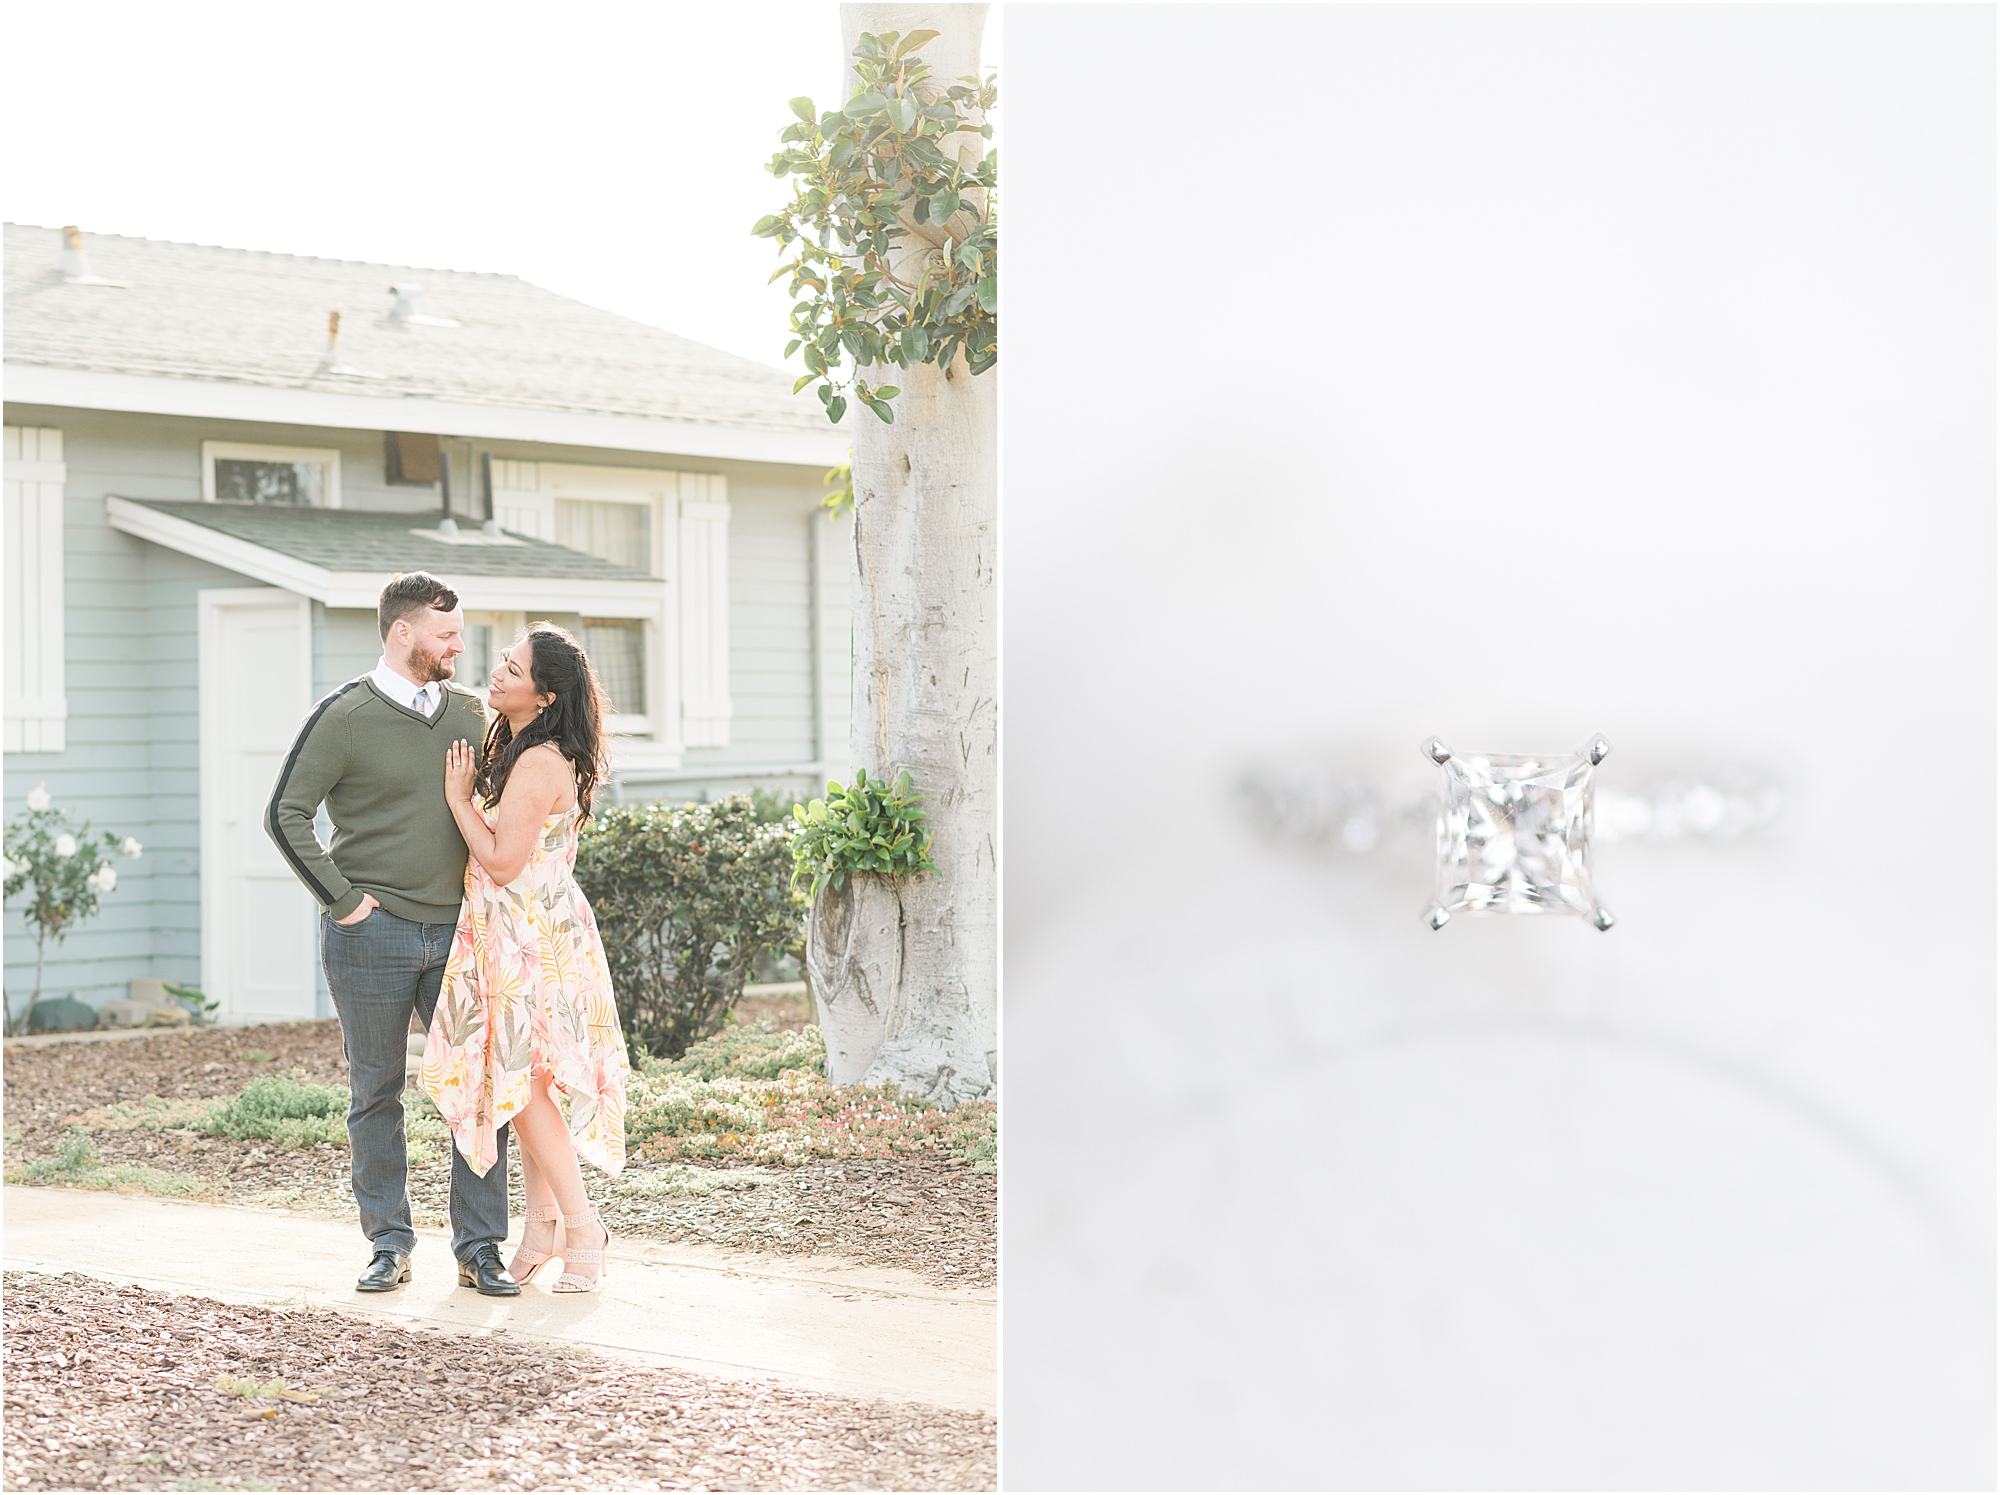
424, 700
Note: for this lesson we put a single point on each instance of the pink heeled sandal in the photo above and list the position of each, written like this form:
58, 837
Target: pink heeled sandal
528, 1257
571, 1282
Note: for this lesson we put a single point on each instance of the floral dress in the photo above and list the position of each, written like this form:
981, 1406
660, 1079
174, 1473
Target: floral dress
526, 992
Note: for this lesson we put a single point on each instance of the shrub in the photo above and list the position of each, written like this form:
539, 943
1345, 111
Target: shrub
770, 805
65, 870
685, 897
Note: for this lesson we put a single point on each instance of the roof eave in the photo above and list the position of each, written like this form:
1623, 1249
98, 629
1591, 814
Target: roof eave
600, 597
223, 399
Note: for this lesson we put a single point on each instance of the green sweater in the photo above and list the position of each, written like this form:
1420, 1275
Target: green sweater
379, 769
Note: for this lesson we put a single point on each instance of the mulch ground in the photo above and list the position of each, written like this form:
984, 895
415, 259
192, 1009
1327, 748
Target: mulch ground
920, 1212
115, 1388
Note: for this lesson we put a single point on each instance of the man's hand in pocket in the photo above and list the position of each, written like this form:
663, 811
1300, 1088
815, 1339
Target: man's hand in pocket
368, 906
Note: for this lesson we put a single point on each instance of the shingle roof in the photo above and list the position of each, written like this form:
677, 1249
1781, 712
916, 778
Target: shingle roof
365, 541
200, 312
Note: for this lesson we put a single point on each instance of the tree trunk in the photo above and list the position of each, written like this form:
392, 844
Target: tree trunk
906, 975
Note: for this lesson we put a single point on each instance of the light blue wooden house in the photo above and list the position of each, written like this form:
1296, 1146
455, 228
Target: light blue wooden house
216, 457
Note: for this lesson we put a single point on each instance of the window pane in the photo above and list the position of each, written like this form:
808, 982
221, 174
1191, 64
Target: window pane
238, 481
611, 532
477, 662
617, 650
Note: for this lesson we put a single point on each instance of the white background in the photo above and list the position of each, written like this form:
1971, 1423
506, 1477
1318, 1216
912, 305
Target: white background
1510, 374
611, 151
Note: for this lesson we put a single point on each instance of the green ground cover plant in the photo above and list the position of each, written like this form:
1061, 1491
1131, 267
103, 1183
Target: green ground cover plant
286, 1109
679, 1181
757, 1096
77, 1165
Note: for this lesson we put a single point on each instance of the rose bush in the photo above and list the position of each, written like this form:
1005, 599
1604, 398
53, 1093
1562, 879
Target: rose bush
66, 870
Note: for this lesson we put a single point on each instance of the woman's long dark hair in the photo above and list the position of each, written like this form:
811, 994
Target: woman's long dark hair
573, 721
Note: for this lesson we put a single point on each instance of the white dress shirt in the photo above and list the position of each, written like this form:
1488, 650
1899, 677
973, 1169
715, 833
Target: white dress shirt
424, 699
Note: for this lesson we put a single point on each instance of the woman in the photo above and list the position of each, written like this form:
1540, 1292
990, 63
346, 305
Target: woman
526, 1009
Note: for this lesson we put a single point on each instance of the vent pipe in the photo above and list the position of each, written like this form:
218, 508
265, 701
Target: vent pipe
403, 310
491, 527
75, 264
446, 524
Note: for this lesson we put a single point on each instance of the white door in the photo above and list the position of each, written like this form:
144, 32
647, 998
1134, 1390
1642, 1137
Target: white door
257, 920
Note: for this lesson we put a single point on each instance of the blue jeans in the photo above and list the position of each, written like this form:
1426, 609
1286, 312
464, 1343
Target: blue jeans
380, 971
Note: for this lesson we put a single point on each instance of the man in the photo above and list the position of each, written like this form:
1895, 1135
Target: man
389, 888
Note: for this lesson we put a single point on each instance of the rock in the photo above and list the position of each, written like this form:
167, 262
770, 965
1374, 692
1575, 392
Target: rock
168, 1017
61, 1015
129, 1012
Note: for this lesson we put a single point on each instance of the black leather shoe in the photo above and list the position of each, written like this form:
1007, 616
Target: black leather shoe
482, 1270
387, 1272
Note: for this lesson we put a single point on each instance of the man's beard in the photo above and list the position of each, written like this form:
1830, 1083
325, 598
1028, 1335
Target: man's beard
426, 668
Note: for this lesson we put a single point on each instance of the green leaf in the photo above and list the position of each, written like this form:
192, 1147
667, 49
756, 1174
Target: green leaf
911, 42
864, 104
887, 392
803, 108
835, 409
882, 410
988, 291
803, 379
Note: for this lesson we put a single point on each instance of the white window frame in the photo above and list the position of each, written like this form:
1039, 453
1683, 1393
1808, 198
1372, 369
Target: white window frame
649, 488
650, 502
507, 626
244, 451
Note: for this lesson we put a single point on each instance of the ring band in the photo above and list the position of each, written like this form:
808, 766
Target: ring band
1514, 833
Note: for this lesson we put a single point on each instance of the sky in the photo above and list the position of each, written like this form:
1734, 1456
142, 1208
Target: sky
616, 157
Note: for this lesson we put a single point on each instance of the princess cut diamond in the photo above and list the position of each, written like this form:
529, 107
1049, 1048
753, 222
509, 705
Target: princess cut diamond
1513, 833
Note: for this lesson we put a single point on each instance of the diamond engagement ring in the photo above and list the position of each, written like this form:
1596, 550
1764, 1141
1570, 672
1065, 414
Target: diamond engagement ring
1514, 832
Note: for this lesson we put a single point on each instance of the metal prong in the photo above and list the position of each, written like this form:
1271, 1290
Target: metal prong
1597, 749
1435, 750
1436, 917
1601, 917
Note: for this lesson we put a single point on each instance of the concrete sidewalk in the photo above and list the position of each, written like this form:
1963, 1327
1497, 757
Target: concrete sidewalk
807, 1321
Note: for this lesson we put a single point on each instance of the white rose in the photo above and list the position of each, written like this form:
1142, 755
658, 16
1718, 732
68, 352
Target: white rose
6, 867
107, 879
129, 848
65, 846
38, 797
